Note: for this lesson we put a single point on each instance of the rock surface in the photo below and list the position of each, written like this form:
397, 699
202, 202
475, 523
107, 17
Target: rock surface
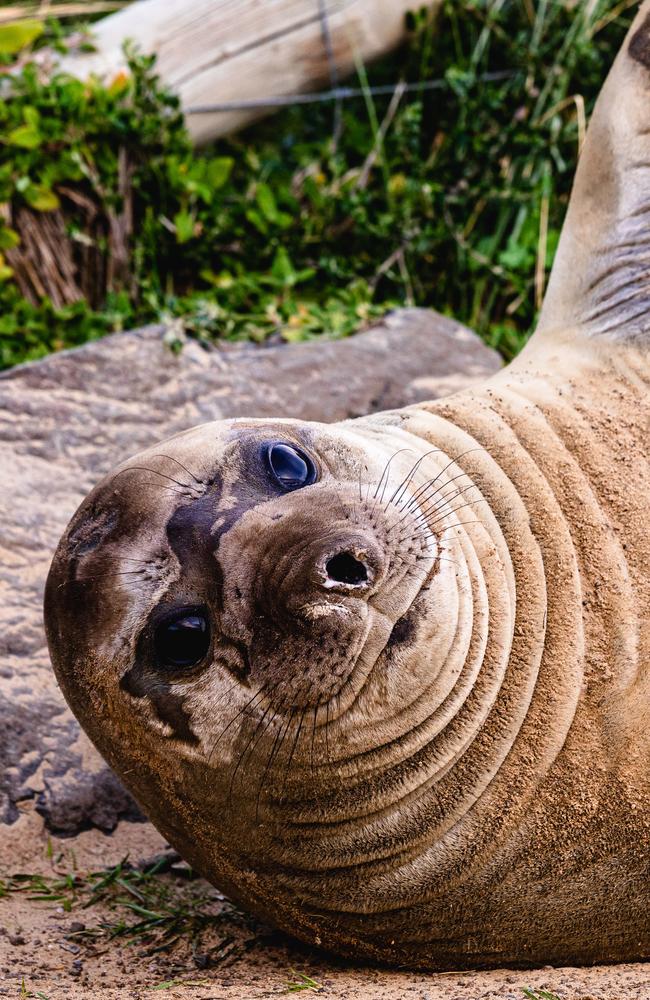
66, 420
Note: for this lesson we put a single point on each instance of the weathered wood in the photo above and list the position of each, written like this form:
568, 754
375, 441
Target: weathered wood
41, 11
221, 51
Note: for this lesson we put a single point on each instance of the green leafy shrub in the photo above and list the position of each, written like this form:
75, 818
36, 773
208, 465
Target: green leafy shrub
450, 197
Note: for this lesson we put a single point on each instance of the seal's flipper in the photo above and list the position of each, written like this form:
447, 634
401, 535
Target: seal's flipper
600, 281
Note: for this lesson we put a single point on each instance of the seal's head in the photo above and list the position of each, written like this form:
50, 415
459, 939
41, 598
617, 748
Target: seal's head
239, 614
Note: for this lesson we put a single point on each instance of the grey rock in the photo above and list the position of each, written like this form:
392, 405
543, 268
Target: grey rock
66, 420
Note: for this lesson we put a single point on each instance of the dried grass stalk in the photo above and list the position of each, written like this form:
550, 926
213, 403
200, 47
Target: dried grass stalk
79, 251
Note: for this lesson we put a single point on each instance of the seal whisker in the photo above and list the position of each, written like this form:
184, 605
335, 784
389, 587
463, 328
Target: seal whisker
427, 496
291, 717
313, 735
260, 730
381, 499
327, 730
401, 487
267, 767
414, 498
443, 501
365, 467
168, 489
463, 524
277, 745
439, 502
293, 750
447, 513
233, 720
171, 458
341, 504
416, 511
437, 559
433, 505
386, 472
154, 472
242, 756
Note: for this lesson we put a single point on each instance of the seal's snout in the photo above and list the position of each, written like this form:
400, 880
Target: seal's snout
350, 564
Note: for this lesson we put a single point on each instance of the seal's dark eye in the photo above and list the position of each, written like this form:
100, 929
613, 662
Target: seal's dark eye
182, 641
291, 468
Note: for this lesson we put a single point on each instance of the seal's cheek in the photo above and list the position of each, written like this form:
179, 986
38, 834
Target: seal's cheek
167, 705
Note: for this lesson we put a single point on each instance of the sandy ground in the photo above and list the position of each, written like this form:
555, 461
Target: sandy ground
46, 952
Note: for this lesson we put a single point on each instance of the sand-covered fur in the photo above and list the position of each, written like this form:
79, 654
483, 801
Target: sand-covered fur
411, 722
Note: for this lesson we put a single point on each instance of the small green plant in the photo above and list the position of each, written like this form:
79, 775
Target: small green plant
539, 994
146, 908
302, 981
451, 197
25, 992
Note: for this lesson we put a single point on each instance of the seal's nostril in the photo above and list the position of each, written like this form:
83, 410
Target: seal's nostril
344, 568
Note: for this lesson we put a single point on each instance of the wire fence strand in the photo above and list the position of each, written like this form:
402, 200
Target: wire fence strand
334, 94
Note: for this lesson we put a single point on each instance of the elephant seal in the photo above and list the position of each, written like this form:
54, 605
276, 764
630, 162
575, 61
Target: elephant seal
386, 682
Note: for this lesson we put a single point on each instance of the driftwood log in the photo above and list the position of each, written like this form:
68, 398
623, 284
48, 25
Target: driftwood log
238, 51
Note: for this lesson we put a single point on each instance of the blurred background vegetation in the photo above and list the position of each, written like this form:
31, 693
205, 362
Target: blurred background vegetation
299, 227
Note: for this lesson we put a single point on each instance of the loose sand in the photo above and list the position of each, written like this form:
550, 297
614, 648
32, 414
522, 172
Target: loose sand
45, 948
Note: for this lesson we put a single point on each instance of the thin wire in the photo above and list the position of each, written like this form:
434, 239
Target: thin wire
336, 94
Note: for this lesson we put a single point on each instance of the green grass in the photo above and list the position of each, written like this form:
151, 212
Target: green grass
451, 198
152, 908
145, 908
301, 982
